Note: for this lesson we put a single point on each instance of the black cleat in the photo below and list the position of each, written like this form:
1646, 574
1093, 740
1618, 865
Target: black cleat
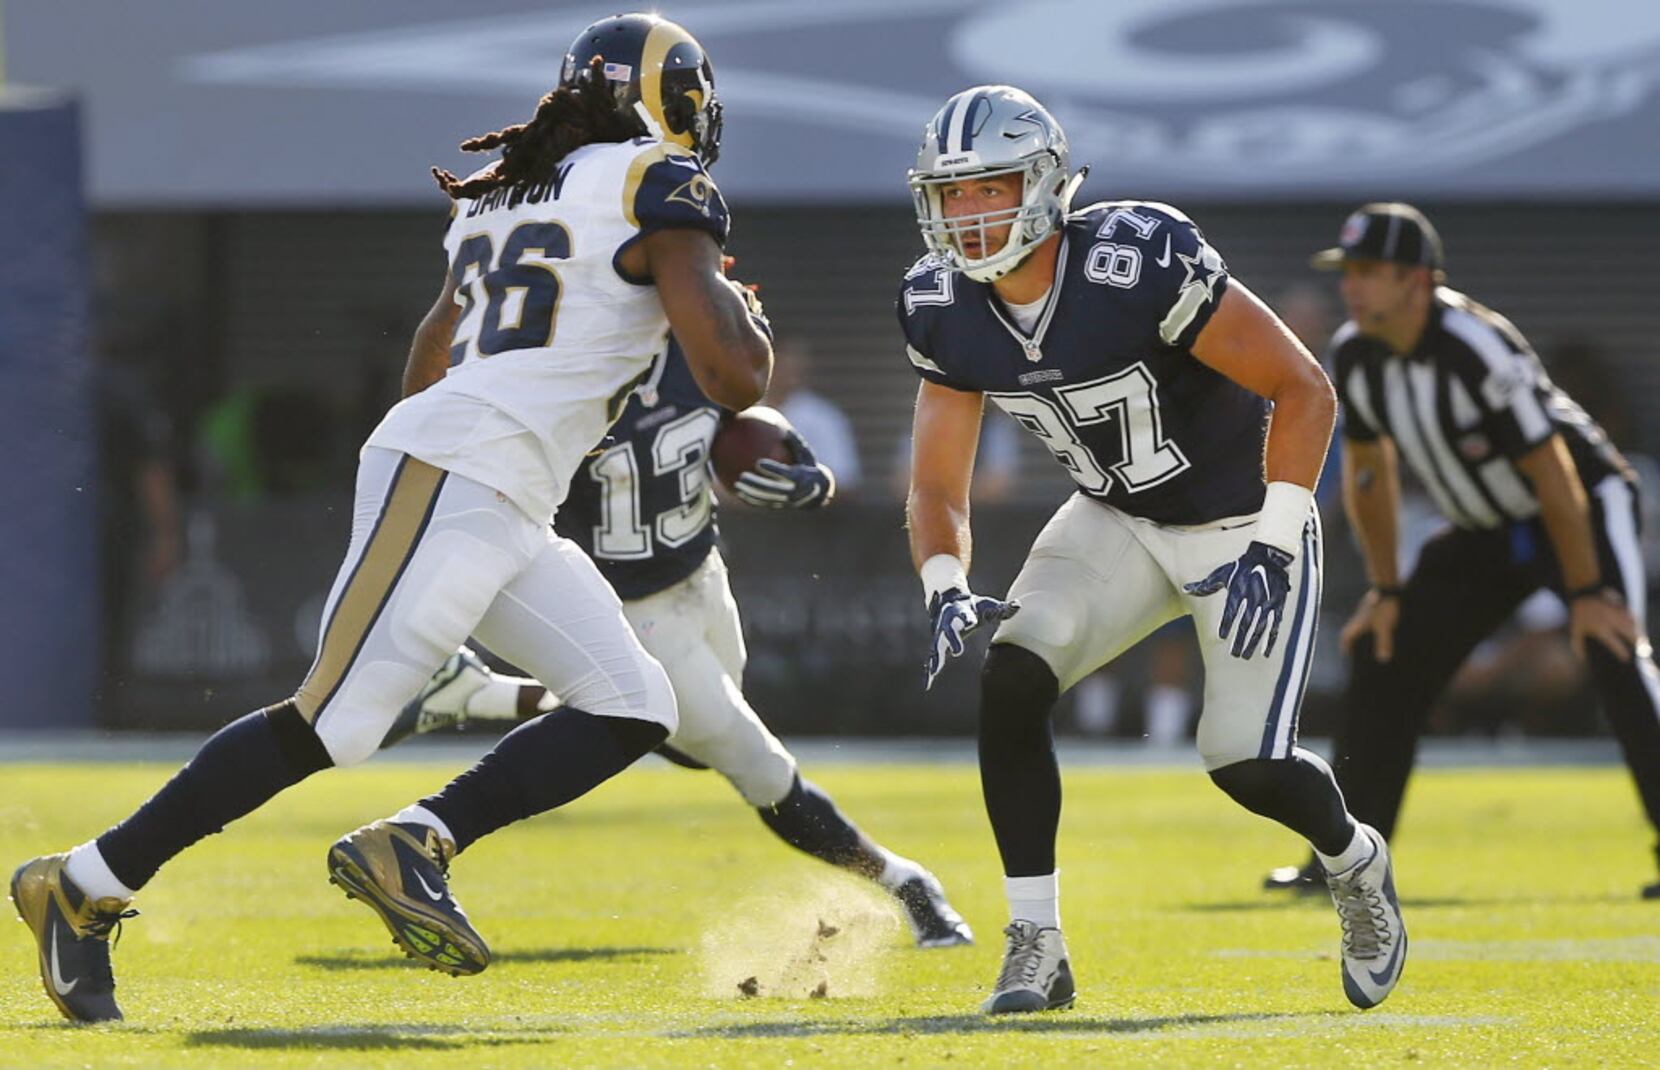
933, 921
1651, 891
1310, 879
73, 935
400, 870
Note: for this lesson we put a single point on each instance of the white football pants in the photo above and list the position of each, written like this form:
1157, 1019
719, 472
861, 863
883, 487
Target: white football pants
1097, 581
436, 557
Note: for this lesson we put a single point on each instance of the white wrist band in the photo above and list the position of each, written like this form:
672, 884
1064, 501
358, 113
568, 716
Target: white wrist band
1285, 509
941, 573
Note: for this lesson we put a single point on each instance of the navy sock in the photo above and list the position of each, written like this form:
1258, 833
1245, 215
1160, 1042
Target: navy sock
1019, 776
807, 819
241, 766
543, 763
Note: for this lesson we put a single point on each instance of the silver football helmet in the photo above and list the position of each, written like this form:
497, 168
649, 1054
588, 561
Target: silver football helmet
984, 131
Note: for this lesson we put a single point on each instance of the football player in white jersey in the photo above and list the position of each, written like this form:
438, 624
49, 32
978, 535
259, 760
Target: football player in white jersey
570, 258
643, 510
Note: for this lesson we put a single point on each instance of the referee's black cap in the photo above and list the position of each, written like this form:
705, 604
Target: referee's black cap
1390, 231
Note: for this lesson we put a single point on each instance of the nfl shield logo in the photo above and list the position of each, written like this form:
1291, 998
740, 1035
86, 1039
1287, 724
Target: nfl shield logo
1354, 229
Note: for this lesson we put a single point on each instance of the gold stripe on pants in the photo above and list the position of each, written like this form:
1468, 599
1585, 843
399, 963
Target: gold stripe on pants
392, 543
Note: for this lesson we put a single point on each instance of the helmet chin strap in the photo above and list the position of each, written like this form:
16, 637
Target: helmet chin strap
980, 273
652, 126
1071, 189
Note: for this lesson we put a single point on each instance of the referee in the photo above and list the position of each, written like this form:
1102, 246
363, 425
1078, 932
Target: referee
1535, 494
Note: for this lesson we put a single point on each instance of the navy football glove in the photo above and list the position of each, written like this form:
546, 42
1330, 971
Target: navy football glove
1257, 585
957, 612
806, 484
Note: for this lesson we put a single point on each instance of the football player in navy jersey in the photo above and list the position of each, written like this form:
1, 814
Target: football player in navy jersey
1195, 425
642, 508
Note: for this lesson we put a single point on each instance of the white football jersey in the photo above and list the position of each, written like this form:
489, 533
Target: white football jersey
552, 335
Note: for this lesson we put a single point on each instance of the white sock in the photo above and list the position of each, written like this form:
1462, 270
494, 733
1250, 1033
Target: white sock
497, 700
896, 870
1168, 709
92, 875
420, 815
1035, 899
1360, 845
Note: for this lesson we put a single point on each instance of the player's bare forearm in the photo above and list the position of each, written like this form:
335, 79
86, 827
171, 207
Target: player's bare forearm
944, 436
730, 357
1564, 510
1371, 498
429, 350
1305, 410
1246, 342
937, 526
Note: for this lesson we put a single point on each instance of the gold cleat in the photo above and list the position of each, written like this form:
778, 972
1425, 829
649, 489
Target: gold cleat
400, 871
72, 933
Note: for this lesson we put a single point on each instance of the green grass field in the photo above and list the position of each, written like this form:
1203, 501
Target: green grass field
622, 926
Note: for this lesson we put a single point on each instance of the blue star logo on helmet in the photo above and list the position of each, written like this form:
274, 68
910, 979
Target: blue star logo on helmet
1027, 116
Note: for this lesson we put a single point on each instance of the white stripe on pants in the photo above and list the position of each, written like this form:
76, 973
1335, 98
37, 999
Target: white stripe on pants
1098, 581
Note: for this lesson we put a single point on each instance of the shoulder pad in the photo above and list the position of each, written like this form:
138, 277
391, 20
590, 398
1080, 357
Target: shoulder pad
926, 264
666, 187
930, 282
1097, 213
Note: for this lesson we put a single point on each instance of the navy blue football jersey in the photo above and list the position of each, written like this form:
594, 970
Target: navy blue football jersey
641, 505
1106, 378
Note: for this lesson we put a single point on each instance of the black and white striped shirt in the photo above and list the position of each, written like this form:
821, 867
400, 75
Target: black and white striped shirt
1462, 407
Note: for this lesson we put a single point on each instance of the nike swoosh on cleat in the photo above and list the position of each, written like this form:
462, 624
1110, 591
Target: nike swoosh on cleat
436, 897
1164, 261
62, 987
1381, 977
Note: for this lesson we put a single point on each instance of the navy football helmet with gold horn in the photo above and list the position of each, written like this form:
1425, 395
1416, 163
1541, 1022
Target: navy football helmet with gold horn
660, 75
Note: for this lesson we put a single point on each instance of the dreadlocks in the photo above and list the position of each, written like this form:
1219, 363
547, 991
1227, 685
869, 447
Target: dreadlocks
566, 119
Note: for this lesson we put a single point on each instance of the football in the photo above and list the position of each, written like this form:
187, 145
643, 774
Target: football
747, 437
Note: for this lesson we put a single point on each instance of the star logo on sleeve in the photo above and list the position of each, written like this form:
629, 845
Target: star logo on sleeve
1202, 270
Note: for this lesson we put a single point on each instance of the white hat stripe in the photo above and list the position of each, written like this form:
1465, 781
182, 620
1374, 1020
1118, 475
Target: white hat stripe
959, 119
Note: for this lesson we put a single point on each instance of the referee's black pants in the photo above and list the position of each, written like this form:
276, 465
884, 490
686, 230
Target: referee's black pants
1465, 585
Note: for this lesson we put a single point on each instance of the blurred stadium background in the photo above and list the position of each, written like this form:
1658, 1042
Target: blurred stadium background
219, 232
